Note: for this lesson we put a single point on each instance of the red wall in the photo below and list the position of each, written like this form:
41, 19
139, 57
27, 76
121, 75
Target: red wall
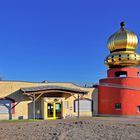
109, 96
130, 72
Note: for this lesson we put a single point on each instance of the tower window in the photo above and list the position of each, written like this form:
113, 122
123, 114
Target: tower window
117, 106
121, 74
138, 108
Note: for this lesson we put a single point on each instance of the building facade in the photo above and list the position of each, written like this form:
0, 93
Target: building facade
26, 100
119, 93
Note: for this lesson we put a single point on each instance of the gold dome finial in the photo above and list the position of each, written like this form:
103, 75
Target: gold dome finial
122, 24
122, 40
122, 46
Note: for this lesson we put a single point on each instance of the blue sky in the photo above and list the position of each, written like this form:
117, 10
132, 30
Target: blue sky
60, 40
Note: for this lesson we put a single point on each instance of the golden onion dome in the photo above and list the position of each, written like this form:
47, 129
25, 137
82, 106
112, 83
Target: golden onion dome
122, 46
123, 40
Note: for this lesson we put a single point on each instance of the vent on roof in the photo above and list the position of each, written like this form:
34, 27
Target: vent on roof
44, 81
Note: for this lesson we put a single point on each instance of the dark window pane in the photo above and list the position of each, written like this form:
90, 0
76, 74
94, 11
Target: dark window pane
117, 106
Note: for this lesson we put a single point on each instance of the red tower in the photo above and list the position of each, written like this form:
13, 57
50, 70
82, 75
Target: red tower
119, 93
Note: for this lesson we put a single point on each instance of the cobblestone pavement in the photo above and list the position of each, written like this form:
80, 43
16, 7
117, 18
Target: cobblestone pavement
96, 128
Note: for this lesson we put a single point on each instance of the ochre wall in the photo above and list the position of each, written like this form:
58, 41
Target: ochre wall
69, 112
11, 89
24, 104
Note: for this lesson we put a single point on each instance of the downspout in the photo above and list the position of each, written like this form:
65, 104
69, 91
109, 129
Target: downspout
34, 106
78, 107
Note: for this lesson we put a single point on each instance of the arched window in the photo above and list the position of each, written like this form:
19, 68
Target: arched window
7, 106
85, 105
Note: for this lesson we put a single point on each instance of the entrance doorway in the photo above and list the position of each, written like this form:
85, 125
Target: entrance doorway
54, 110
50, 109
58, 110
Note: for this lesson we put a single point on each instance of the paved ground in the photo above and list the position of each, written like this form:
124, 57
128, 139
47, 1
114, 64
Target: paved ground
98, 128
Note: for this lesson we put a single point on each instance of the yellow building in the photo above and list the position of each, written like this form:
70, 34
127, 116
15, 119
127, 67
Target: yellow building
26, 100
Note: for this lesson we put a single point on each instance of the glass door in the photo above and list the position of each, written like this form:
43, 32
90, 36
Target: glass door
53, 110
50, 109
58, 110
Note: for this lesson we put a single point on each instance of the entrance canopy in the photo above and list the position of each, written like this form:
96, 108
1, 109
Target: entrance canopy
43, 89
40, 90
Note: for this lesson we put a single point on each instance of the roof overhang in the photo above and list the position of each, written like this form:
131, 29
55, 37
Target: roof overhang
46, 89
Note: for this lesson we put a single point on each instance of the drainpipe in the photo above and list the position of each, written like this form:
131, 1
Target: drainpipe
34, 106
78, 107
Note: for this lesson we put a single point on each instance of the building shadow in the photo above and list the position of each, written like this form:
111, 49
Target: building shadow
95, 102
17, 98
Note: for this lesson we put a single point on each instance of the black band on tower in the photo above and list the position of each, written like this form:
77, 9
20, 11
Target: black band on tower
118, 50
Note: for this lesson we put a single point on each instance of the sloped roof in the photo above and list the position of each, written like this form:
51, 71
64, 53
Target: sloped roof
46, 88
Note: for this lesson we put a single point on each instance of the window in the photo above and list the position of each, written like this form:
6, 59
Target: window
84, 105
121, 74
66, 104
120, 59
117, 106
6, 106
138, 108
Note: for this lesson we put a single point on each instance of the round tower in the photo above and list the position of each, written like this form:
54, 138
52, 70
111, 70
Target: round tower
119, 93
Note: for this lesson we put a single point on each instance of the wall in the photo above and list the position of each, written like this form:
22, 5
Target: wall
131, 72
11, 89
23, 108
69, 111
95, 102
128, 97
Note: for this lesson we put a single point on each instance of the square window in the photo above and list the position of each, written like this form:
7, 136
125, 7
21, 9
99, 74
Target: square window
117, 106
138, 108
66, 104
